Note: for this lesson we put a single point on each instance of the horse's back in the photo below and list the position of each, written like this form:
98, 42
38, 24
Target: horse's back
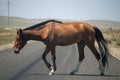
72, 32
75, 26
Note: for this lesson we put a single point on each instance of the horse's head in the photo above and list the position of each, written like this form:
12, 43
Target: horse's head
20, 41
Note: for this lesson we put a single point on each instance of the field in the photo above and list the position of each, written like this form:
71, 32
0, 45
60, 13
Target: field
6, 36
112, 36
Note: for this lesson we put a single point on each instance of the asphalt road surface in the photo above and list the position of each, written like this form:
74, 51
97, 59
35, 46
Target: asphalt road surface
28, 65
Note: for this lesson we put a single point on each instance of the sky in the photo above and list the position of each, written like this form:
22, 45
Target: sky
63, 9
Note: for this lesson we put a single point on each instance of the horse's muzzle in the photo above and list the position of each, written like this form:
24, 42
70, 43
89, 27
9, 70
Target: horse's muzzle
16, 51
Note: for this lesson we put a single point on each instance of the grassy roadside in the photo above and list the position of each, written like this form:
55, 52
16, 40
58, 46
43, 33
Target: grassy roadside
112, 36
6, 39
6, 36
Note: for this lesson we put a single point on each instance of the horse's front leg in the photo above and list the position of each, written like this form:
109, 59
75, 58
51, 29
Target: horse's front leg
53, 69
47, 50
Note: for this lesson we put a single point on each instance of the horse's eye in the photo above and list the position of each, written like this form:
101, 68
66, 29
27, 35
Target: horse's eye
17, 39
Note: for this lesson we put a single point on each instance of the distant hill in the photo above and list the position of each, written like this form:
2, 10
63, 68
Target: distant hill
22, 22
16, 22
104, 23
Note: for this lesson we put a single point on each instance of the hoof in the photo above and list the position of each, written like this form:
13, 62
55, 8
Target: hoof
51, 73
72, 73
102, 74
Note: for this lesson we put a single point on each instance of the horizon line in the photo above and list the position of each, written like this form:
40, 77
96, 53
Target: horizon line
59, 19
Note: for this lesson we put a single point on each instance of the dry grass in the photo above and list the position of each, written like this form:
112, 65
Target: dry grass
6, 36
112, 36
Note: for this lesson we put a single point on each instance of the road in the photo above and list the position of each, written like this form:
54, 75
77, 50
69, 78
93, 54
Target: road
28, 65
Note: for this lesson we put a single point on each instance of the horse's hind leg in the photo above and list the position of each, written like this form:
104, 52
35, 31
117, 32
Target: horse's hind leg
91, 45
81, 57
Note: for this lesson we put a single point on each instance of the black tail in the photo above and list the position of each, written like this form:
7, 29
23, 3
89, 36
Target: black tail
102, 43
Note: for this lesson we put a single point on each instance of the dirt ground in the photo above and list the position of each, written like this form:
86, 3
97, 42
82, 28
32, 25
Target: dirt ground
3, 47
115, 52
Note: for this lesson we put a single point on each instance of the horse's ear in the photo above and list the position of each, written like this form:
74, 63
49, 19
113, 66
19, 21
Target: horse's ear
19, 31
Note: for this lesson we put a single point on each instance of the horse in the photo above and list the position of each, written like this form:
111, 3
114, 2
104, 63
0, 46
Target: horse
53, 33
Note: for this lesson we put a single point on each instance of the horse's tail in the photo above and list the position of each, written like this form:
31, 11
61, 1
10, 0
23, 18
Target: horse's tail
102, 43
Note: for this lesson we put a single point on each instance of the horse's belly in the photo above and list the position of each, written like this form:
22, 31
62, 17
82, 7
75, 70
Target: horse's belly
63, 41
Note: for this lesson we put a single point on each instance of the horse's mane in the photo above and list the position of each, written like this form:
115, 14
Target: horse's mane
41, 24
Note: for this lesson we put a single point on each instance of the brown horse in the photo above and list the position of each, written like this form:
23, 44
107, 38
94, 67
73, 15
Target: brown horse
53, 33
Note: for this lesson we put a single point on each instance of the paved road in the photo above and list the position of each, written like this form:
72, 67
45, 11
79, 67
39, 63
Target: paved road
28, 65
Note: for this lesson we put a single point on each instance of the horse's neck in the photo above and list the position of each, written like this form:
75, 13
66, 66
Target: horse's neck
32, 35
